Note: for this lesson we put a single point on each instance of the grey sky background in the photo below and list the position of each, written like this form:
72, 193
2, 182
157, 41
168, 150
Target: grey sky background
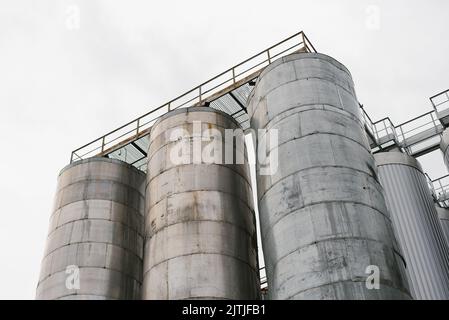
64, 83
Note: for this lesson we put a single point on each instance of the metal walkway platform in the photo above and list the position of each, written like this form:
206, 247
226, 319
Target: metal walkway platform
440, 190
417, 136
229, 92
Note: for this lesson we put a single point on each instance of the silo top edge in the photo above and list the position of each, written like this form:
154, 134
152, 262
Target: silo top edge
101, 159
194, 109
390, 158
304, 55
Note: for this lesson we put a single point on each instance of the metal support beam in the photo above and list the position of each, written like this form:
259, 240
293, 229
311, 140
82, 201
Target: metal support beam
138, 148
238, 102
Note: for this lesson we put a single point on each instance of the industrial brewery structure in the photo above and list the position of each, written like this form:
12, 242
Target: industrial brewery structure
157, 209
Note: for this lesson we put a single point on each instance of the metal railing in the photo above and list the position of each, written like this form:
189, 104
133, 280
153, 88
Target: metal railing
440, 99
431, 186
385, 130
218, 86
369, 125
440, 188
381, 131
415, 136
424, 123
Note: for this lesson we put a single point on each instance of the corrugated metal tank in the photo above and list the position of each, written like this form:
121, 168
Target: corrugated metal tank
416, 224
199, 224
444, 147
443, 215
97, 226
323, 216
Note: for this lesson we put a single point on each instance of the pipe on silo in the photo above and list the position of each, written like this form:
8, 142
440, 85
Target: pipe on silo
324, 220
199, 224
416, 225
94, 247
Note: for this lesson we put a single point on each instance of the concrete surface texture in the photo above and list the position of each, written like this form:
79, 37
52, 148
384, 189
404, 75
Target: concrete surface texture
323, 216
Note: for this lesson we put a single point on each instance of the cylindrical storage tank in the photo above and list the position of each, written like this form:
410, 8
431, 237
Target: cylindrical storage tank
443, 215
444, 147
416, 225
324, 221
199, 217
95, 244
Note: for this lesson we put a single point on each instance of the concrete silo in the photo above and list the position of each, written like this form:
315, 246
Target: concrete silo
95, 243
324, 220
199, 222
416, 225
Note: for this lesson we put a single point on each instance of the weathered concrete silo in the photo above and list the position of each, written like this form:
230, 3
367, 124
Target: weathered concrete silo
199, 222
416, 225
95, 244
323, 217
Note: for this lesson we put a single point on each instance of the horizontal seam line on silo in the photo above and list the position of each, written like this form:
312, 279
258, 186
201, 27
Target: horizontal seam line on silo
149, 158
89, 267
85, 294
266, 93
128, 186
324, 202
91, 242
95, 219
125, 274
399, 165
311, 168
183, 121
127, 204
173, 142
202, 297
305, 79
299, 106
100, 159
135, 213
201, 253
202, 220
227, 193
322, 133
315, 243
350, 281
269, 230
140, 216
177, 111
228, 167
103, 199
180, 127
341, 68
204, 190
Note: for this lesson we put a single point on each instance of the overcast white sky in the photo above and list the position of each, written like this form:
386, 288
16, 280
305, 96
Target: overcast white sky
63, 84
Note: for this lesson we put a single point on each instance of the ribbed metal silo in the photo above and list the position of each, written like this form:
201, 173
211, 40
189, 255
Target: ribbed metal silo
324, 220
95, 244
416, 225
443, 216
199, 223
